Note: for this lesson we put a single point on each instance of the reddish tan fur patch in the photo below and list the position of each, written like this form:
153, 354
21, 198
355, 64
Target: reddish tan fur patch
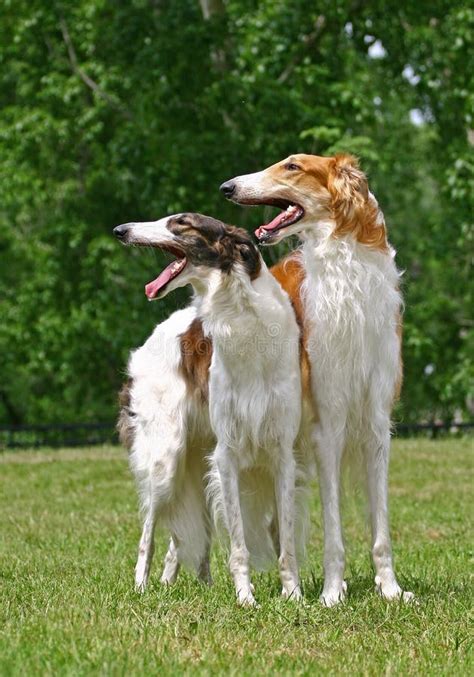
289, 272
196, 354
339, 187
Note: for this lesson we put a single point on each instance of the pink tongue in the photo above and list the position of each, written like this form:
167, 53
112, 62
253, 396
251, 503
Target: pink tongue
261, 232
282, 216
153, 287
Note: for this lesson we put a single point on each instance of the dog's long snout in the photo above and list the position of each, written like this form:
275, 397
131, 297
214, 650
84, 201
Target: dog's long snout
228, 188
121, 231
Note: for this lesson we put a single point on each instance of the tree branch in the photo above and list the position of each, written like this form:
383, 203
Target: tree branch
308, 41
211, 7
83, 76
320, 27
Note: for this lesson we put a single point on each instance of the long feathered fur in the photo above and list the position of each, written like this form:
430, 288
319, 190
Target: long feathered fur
351, 320
253, 411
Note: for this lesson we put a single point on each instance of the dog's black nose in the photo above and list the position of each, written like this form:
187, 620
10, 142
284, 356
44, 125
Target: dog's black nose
121, 231
228, 188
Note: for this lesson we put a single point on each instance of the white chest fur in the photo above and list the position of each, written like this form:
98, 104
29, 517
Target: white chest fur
254, 387
352, 303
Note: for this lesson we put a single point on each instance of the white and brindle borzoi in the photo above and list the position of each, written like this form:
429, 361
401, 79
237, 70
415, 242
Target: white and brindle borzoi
345, 285
254, 395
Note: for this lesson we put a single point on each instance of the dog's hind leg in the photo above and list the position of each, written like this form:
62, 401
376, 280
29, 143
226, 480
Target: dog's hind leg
146, 549
171, 564
204, 568
275, 532
157, 479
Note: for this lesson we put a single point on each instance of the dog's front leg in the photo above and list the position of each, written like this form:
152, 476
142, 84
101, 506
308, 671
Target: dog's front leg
239, 555
378, 452
330, 449
285, 503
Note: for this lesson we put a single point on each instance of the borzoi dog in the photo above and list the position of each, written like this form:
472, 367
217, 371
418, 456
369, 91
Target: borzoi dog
254, 403
346, 286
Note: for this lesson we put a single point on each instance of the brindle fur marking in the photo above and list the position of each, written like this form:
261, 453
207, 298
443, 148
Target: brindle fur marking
209, 242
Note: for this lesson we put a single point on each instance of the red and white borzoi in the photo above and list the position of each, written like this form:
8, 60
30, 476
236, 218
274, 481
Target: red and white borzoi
345, 286
254, 404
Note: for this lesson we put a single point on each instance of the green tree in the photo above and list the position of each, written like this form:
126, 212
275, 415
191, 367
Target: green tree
116, 111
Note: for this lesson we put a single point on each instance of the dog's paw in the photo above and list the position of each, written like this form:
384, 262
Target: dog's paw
294, 593
334, 595
246, 599
204, 576
204, 572
141, 578
140, 586
391, 591
409, 597
206, 580
167, 579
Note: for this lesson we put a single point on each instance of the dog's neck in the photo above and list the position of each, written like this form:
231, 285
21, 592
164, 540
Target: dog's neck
233, 305
320, 244
347, 283
229, 303
326, 238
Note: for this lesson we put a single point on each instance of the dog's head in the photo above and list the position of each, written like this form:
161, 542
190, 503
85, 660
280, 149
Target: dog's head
199, 245
311, 189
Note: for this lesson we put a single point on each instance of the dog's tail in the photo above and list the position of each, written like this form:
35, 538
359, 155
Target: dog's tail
259, 514
188, 518
125, 427
257, 506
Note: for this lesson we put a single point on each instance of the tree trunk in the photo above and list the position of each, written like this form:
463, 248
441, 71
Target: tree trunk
211, 8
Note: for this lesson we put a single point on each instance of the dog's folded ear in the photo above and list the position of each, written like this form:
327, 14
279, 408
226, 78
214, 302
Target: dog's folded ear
246, 251
348, 187
352, 209
250, 257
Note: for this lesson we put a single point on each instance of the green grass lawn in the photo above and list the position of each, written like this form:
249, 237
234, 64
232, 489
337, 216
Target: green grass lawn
68, 538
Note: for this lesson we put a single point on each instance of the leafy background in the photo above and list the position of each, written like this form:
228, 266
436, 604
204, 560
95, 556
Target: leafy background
120, 111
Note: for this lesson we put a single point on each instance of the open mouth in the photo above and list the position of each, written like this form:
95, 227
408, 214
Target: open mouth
157, 286
291, 214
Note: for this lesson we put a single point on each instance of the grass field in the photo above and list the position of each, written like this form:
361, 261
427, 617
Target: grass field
68, 538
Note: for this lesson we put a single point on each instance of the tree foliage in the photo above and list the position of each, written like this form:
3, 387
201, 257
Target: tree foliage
119, 111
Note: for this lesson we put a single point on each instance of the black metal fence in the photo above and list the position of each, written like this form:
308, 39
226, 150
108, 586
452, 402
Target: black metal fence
90, 434
58, 435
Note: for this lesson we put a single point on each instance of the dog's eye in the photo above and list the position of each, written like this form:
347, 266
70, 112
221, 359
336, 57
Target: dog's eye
183, 221
291, 167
